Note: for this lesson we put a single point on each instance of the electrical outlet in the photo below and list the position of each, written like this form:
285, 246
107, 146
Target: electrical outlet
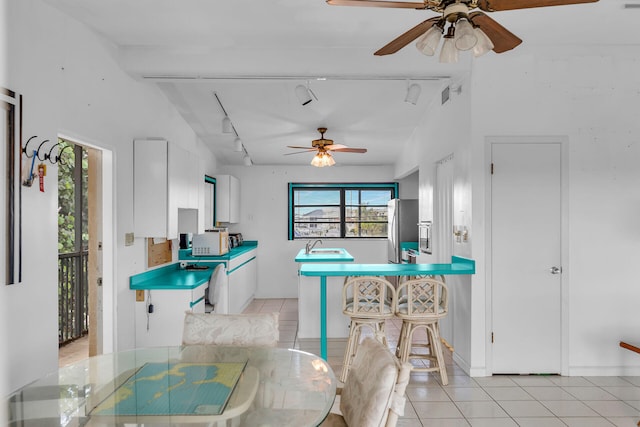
128, 239
139, 296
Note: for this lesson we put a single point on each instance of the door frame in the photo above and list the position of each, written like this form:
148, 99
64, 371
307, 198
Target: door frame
564, 239
108, 335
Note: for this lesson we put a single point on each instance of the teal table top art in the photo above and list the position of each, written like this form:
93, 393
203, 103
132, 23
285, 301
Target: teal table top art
174, 389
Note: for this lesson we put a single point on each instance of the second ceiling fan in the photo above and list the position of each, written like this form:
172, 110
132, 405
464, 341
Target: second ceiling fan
323, 147
467, 30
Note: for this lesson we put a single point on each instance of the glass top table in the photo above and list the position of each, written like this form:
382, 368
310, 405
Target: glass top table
212, 385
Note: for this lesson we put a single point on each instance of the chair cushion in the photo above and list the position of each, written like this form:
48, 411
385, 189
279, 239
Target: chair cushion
366, 396
260, 329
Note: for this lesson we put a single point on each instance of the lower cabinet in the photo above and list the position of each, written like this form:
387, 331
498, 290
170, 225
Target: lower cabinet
163, 327
243, 277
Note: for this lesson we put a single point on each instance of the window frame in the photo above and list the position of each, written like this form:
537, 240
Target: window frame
343, 188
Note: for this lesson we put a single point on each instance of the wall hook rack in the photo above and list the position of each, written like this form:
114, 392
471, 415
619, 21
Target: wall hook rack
24, 149
58, 157
35, 152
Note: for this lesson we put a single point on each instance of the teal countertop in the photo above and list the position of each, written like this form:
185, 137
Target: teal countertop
171, 277
248, 245
343, 256
458, 265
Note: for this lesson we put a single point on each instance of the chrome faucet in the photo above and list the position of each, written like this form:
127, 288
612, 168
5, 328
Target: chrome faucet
309, 246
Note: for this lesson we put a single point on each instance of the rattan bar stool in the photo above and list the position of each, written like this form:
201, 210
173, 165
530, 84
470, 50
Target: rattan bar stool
424, 302
368, 301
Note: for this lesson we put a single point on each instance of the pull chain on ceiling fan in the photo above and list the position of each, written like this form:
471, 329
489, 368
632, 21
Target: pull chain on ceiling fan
323, 147
467, 30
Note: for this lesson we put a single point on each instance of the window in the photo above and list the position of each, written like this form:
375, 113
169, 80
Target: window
340, 211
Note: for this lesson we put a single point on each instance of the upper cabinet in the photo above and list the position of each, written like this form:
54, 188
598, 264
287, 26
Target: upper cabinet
227, 199
165, 179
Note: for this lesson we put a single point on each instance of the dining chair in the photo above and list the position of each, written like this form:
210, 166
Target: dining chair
374, 393
254, 330
369, 302
424, 302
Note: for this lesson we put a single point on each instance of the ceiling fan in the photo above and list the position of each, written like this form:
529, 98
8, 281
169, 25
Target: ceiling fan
475, 29
323, 147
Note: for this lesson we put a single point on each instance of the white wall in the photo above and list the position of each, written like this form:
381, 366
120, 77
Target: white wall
445, 130
590, 97
263, 211
72, 85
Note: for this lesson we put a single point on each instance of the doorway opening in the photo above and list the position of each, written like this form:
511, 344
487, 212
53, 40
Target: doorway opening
79, 251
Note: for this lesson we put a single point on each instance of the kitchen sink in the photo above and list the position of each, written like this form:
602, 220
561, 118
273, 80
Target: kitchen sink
324, 251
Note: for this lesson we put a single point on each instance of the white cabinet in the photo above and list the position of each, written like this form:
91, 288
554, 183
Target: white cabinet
165, 179
227, 199
243, 280
164, 326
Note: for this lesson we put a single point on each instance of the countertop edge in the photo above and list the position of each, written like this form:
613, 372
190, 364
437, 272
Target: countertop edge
458, 266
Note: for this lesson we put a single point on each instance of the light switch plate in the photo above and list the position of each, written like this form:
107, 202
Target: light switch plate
128, 239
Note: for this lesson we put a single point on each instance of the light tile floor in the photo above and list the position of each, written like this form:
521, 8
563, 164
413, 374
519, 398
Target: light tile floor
498, 401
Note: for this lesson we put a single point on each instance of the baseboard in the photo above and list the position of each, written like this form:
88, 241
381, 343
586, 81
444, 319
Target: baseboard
604, 371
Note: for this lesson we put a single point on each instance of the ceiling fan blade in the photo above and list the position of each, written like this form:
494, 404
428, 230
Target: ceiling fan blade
496, 5
301, 148
300, 152
350, 150
502, 39
406, 38
335, 146
379, 3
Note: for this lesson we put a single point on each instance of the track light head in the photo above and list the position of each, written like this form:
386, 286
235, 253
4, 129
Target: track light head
413, 93
303, 94
238, 147
227, 127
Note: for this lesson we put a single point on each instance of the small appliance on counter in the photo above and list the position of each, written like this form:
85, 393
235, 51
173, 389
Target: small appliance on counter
185, 240
212, 242
235, 240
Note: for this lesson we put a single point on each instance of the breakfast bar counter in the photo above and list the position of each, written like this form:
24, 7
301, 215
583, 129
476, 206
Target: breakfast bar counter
458, 266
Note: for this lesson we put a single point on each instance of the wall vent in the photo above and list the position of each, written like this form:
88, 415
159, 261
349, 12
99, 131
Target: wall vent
445, 95
632, 6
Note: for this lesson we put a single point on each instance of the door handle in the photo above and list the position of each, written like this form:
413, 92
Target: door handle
555, 270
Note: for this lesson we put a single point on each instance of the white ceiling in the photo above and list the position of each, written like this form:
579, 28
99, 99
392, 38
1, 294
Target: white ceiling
252, 54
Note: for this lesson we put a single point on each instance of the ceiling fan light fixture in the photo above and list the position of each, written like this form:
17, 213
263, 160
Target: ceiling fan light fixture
303, 94
449, 53
227, 127
322, 159
413, 93
465, 38
484, 43
428, 42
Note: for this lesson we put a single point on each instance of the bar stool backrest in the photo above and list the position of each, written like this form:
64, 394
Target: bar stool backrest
368, 297
425, 297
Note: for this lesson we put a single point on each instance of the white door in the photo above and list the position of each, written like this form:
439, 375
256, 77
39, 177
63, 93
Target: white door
525, 257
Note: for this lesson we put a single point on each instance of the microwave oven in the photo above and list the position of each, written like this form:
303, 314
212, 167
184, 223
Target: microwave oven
210, 243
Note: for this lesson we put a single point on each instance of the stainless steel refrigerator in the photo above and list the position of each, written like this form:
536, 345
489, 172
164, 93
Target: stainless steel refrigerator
402, 226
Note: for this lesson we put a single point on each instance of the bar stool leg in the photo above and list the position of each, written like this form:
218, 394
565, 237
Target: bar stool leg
436, 347
350, 351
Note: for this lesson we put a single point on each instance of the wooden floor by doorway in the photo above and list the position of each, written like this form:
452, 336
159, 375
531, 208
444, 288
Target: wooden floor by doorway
74, 351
